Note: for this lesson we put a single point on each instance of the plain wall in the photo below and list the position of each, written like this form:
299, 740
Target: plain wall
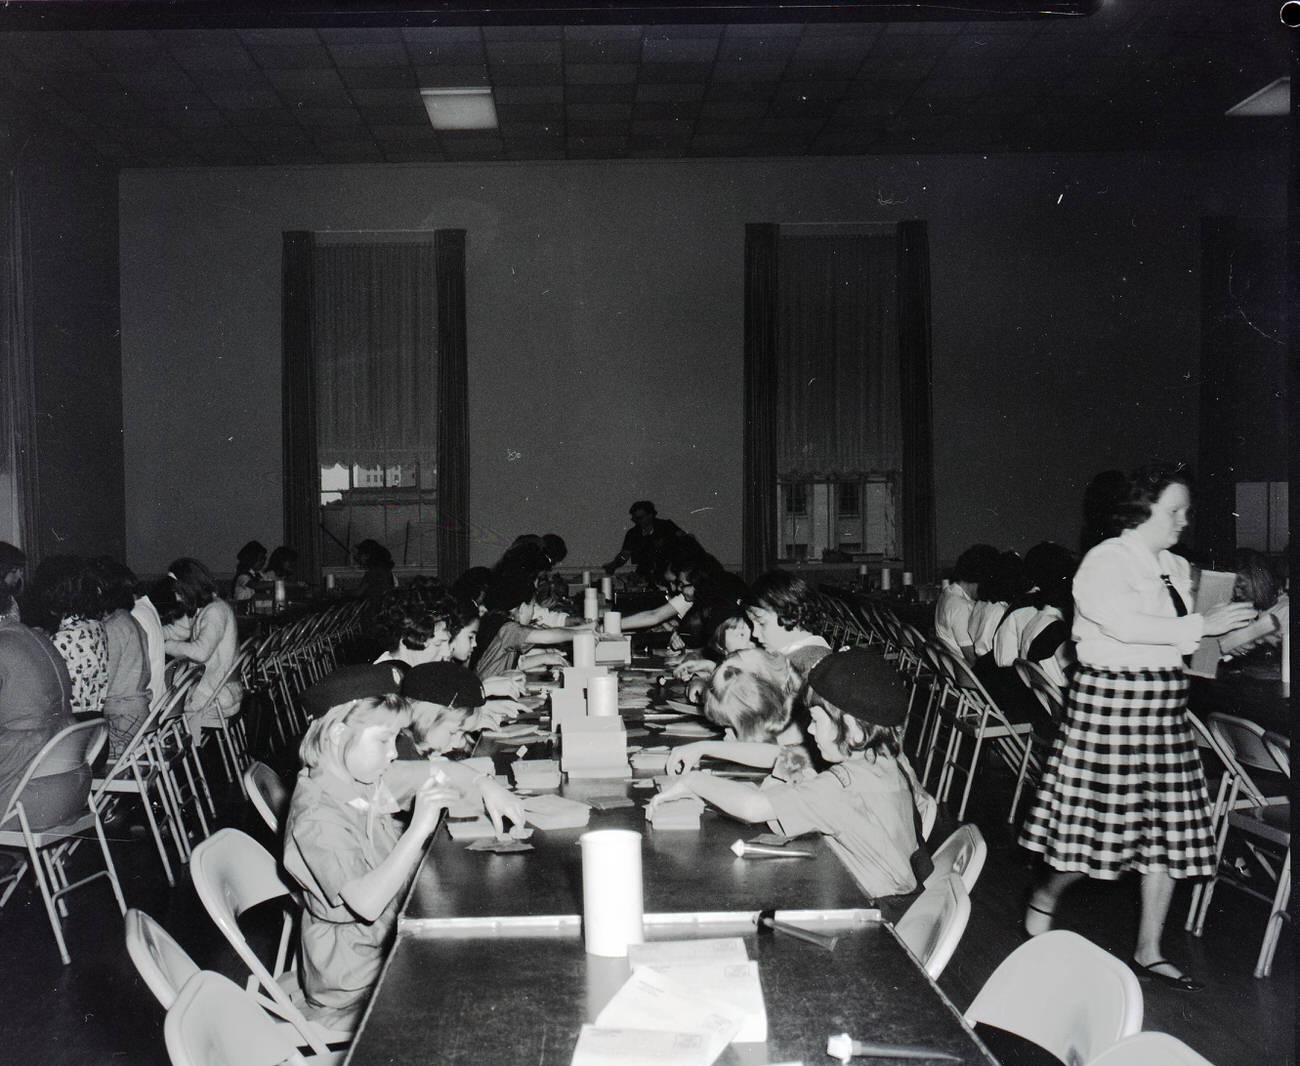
69, 204
605, 331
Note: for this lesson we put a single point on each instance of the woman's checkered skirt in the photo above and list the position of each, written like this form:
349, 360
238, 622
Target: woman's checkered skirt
1123, 787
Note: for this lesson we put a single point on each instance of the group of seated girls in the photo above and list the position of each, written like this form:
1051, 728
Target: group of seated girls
855, 787
342, 844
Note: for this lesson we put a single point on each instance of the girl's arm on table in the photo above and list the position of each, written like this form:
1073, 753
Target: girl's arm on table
740, 799
747, 753
369, 894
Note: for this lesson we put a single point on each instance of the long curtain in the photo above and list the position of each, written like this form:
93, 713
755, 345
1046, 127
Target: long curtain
919, 550
838, 385
453, 406
18, 469
298, 400
758, 502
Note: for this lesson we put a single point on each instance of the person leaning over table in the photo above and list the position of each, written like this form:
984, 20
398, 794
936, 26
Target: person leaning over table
956, 603
1123, 787
865, 804
342, 844
648, 544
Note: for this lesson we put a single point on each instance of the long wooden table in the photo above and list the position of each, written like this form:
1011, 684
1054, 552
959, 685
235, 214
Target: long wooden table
489, 966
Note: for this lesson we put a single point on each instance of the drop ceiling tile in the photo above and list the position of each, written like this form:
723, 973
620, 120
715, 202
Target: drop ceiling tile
317, 80
580, 127
290, 57
599, 93
162, 77
595, 147
394, 76
603, 33
523, 33
278, 36
328, 116
718, 144
666, 109
438, 35
360, 35
282, 136
646, 91
757, 49
733, 110
415, 115
527, 74
675, 72
602, 50
536, 149
408, 98
233, 58
245, 99
452, 53
274, 117
675, 50
802, 110
452, 75
741, 90
404, 131
748, 72
192, 117
51, 52
536, 53
600, 73
529, 112
512, 95
793, 89
514, 132
368, 55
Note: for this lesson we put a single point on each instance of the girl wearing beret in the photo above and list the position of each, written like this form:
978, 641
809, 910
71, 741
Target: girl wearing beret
863, 804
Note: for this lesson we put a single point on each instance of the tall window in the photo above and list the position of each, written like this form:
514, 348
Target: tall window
839, 445
375, 340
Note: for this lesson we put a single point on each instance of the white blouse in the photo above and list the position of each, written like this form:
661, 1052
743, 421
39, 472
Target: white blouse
1124, 617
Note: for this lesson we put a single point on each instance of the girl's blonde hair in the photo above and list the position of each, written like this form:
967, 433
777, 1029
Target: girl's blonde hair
751, 693
426, 717
372, 710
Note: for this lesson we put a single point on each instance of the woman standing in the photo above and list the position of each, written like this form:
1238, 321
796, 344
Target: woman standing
1123, 788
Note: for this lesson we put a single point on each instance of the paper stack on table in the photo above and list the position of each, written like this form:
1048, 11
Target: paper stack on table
681, 813
653, 1001
640, 1047
594, 748
614, 650
549, 811
735, 983
470, 828
536, 774
650, 760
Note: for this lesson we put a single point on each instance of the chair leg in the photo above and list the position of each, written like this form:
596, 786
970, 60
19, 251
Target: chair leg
143, 792
109, 868
1277, 916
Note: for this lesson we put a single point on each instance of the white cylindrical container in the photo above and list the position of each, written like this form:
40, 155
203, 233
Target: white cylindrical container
884, 580
611, 891
584, 649
586, 578
590, 604
281, 594
329, 581
907, 579
607, 588
862, 570
602, 696
613, 624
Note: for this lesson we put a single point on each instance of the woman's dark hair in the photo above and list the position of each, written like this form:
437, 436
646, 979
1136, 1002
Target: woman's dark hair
976, 564
789, 596
644, 506
1256, 583
1008, 583
507, 593
116, 583
407, 619
194, 584
249, 555
1143, 487
61, 587
165, 596
280, 558
1050, 569
555, 548
872, 739
11, 558
472, 584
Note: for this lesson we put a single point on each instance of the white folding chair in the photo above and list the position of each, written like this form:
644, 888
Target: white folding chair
933, 925
233, 872
213, 1023
1064, 994
266, 790
1259, 822
963, 853
1149, 1049
163, 964
49, 847
1052, 699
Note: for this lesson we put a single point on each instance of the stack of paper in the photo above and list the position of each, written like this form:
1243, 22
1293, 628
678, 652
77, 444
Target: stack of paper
650, 760
474, 827
594, 748
549, 811
536, 774
652, 1001
718, 967
681, 813
567, 704
640, 1047
614, 650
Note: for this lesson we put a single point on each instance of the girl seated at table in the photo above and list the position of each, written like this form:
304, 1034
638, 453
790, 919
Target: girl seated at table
751, 695
205, 633
446, 700
342, 844
249, 564
727, 631
784, 612
863, 804
507, 635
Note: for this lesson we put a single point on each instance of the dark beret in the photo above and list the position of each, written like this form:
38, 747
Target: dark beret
350, 683
447, 683
860, 682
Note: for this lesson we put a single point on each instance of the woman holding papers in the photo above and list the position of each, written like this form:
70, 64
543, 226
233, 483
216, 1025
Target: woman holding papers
1123, 787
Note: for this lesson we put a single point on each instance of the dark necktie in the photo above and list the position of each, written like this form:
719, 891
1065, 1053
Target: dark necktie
1180, 608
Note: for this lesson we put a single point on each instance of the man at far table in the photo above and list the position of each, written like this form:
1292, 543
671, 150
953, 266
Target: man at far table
648, 544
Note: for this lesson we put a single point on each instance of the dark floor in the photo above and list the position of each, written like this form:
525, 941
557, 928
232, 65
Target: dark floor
97, 1011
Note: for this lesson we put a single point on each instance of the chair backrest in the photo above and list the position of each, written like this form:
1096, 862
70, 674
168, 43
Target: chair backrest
1065, 994
266, 790
73, 746
1243, 740
165, 966
933, 925
214, 1023
1048, 692
231, 873
1279, 746
963, 853
1150, 1049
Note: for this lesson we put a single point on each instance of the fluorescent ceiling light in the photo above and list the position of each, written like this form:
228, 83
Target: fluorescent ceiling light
1273, 99
460, 109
